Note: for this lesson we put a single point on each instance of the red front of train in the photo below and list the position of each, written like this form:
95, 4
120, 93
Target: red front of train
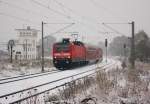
67, 54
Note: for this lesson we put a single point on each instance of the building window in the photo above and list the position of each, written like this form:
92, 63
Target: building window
20, 33
33, 42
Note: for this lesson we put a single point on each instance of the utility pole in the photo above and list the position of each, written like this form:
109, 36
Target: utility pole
106, 43
26, 49
42, 47
132, 56
11, 54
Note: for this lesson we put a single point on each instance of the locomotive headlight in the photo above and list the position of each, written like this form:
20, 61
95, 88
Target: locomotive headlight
69, 57
55, 57
67, 62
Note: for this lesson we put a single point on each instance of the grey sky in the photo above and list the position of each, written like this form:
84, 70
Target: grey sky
87, 15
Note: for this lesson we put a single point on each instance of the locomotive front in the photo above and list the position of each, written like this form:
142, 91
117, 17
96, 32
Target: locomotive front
62, 54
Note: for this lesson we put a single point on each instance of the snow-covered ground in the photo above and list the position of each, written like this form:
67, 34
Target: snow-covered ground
10, 70
130, 86
27, 83
114, 86
23, 71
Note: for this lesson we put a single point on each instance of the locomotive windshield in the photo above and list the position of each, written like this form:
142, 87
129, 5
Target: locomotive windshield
62, 48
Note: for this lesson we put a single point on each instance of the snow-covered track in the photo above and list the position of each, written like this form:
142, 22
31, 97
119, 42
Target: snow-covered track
17, 76
44, 83
77, 78
23, 77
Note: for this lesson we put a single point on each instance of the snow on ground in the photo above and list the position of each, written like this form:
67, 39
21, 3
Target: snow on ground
128, 86
23, 71
131, 86
19, 85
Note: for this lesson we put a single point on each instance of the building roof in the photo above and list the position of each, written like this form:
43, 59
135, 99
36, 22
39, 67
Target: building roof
27, 29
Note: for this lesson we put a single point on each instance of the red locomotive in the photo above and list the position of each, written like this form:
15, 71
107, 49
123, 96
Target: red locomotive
67, 54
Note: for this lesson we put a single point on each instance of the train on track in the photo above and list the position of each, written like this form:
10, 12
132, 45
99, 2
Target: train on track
67, 54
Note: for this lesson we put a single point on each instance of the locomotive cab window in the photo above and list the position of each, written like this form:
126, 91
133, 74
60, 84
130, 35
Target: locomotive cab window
62, 48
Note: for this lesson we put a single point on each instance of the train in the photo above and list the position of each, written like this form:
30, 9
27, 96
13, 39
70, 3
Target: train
67, 54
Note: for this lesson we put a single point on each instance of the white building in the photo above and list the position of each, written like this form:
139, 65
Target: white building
25, 45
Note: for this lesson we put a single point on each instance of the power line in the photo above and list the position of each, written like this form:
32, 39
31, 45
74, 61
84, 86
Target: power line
59, 23
68, 26
74, 12
118, 23
64, 6
68, 17
27, 20
60, 4
18, 18
98, 5
20, 8
53, 10
113, 29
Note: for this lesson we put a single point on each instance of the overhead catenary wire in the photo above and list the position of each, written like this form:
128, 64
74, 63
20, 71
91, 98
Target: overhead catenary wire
21, 8
60, 13
60, 5
18, 18
75, 13
81, 16
68, 26
53, 10
71, 17
85, 24
100, 6
26, 10
27, 20
96, 4
118, 23
64, 6
113, 29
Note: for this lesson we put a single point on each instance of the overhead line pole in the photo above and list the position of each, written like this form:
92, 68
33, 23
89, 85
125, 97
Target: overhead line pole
42, 47
132, 55
26, 49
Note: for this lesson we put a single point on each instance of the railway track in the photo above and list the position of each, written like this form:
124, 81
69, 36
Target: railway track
48, 84
2, 79
23, 77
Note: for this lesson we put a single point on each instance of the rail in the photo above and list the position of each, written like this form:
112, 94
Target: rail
30, 76
34, 95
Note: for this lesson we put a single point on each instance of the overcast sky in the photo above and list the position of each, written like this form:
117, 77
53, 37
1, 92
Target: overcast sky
88, 16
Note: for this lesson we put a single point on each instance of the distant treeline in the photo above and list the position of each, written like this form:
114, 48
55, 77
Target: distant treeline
142, 46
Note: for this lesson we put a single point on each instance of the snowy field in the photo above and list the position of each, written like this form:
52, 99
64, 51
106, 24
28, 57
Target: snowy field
27, 83
9, 70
